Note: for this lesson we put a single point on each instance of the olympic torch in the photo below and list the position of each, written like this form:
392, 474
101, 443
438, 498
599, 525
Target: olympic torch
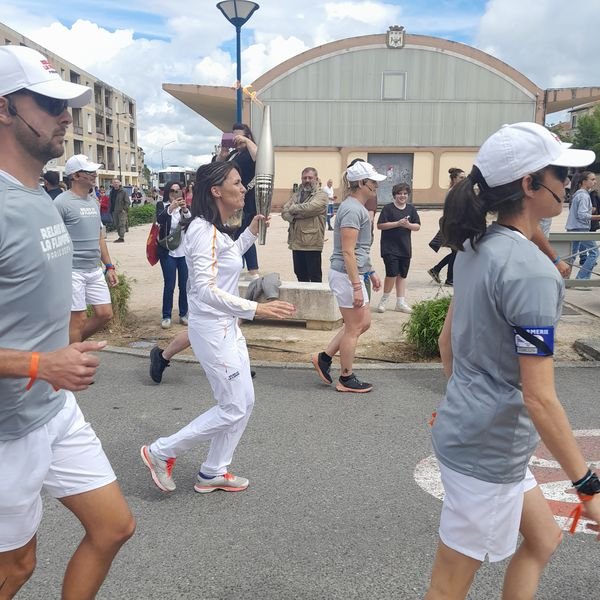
265, 173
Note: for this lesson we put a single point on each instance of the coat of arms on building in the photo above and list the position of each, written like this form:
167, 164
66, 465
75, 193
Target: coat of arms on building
395, 37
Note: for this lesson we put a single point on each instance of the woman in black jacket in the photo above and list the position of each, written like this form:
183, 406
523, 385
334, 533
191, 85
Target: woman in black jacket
169, 212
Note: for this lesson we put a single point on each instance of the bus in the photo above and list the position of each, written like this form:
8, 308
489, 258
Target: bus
180, 174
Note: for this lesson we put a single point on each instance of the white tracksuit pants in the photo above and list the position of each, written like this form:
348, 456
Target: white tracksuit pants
221, 349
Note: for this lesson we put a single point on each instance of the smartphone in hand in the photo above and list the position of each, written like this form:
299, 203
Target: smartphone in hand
227, 140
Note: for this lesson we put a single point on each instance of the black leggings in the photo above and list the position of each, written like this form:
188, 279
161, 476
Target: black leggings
448, 260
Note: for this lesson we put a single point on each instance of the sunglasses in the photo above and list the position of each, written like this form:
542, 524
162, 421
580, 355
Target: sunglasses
174, 191
53, 106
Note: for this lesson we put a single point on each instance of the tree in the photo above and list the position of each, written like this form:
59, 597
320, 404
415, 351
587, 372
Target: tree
587, 136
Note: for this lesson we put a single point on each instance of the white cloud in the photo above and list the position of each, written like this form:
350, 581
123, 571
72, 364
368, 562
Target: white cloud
79, 43
530, 36
553, 43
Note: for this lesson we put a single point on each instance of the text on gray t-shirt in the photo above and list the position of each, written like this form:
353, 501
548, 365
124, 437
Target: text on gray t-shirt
35, 288
82, 218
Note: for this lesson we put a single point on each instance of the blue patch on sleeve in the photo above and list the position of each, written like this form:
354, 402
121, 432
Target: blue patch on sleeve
534, 341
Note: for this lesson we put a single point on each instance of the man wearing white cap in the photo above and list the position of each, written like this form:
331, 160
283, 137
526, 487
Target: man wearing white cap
45, 443
81, 215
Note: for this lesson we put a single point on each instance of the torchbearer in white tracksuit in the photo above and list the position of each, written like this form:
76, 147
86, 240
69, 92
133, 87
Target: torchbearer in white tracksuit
214, 263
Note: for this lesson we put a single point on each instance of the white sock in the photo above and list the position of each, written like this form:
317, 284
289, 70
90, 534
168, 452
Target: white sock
400, 300
384, 298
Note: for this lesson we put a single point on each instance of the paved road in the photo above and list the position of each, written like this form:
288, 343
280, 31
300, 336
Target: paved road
333, 510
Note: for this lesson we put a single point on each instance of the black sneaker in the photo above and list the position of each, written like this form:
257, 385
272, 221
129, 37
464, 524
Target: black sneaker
434, 275
157, 364
449, 283
353, 384
253, 374
322, 366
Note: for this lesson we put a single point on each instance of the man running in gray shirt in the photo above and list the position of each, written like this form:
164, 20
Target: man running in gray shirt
80, 213
45, 442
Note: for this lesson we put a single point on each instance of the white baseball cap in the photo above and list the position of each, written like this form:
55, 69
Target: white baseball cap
80, 162
522, 148
23, 68
363, 170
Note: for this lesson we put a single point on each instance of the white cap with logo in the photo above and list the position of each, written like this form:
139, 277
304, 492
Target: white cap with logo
363, 170
80, 162
523, 148
23, 68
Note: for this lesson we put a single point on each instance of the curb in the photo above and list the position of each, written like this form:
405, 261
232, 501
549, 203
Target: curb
362, 366
589, 347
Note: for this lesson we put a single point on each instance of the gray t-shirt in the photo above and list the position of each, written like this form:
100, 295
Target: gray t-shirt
482, 428
580, 213
82, 218
35, 287
353, 214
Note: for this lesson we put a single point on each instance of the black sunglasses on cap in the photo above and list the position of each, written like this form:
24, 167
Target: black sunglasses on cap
53, 106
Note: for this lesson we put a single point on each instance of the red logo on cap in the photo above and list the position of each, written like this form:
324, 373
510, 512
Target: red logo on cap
556, 137
46, 65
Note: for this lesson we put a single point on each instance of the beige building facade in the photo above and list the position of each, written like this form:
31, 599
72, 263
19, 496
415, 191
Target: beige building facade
105, 130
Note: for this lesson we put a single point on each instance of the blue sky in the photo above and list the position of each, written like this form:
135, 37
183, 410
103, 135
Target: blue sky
136, 45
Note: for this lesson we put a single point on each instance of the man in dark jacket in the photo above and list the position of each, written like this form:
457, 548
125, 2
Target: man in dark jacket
119, 207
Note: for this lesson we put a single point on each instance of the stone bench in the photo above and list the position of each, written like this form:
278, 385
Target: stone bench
314, 302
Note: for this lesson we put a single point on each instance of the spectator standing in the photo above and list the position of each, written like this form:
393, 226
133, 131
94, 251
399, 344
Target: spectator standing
45, 442
119, 208
170, 212
51, 184
136, 196
244, 156
80, 213
305, 212
580, 219
397, 221
328, 189
104, 201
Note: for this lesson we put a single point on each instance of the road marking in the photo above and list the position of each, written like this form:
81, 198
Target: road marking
552, 480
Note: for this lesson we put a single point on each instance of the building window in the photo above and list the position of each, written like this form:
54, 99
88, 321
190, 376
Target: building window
75, 77
89, 123
573, 121
393, 85
77, 147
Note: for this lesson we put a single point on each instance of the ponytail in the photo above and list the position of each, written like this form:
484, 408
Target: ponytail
465, 209
464, 215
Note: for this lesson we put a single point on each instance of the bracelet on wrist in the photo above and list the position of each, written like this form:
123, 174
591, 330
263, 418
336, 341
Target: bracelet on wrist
556, 260
588, 486
109, 266
33, 369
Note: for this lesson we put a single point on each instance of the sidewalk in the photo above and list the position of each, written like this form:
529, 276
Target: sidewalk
292, 342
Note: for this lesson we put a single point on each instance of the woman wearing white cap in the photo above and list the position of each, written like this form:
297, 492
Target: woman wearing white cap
350, 265
497, 346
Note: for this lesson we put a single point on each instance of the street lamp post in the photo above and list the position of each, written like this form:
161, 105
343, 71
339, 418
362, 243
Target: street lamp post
119, 145
162, 160
237, 12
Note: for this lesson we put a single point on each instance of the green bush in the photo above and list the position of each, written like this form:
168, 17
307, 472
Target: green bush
141, 213
425, 325
119, 297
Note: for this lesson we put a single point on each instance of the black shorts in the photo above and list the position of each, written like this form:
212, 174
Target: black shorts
396, 265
